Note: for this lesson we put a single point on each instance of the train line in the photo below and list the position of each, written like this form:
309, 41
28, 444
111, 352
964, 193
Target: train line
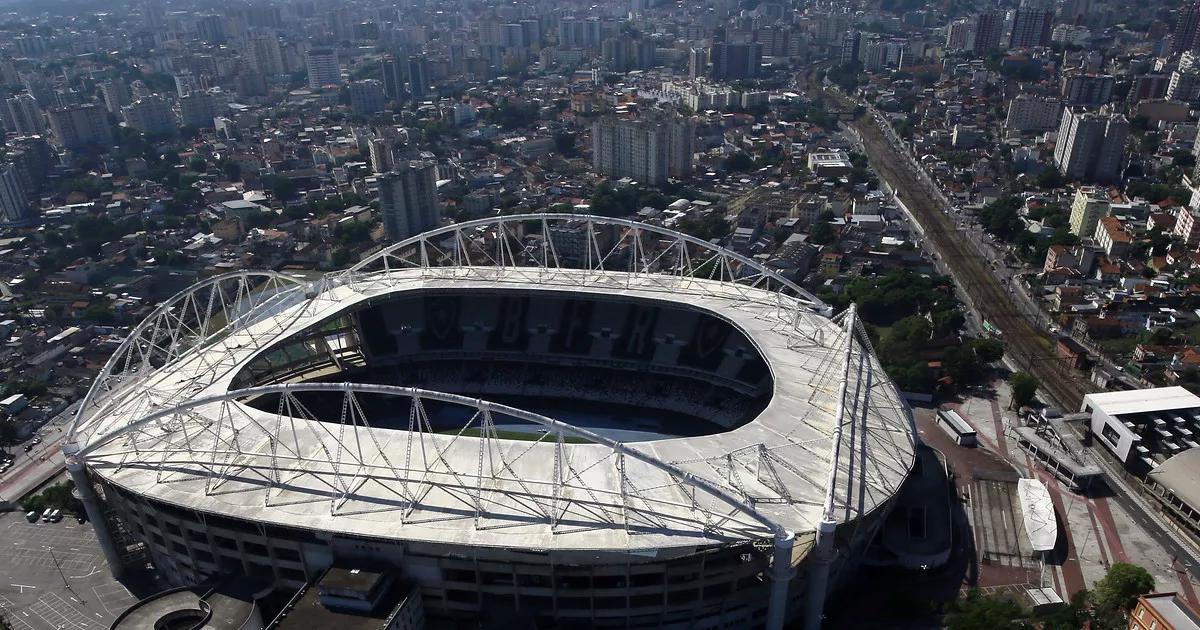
1030, 347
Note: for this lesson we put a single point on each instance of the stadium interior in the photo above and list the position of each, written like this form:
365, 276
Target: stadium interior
537, 350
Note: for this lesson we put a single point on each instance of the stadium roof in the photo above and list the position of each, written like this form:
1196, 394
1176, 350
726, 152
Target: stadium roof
1178, 474
171, 430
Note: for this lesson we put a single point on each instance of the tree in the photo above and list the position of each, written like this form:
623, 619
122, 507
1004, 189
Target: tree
947, 321
564, 143
738, 163
100, 314
1050, 178
1000, 217
977, 611
1024, 387
962, 364
8, 433
511, 114
282, 187
232, 170
1117, 591
57, 496
988, 350
709, 226
822, 233
352, 232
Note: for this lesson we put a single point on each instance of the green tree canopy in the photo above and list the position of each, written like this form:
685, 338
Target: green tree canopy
1024, 388
708, 226
1000, 217
822, 233
977, 611
739, 162
1118, 590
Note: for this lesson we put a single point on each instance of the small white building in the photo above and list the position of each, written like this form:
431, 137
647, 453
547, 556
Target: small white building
1145, 427
14, 404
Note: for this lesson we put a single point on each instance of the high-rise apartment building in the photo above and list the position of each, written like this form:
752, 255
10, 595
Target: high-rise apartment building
392, 72
1091, 145
851, 50
32, 159
697, 62
1087, 90
1089, 205
989, 31
198, 109
151, 115
1186, 35
648, 150
1031, 27
408, 199
418, 77
186, 83
264, 55
584, 33
14, 207
80, 126
960, 34
323, 69
26, 116
380, 155
731, 62
366, 96
1029, 113
211, 28
115, 94
1184, 85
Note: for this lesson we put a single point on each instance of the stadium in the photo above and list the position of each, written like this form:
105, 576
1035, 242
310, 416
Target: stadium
570, 419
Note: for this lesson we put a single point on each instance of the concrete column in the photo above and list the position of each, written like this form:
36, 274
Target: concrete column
781, 577
821, 557
91, 505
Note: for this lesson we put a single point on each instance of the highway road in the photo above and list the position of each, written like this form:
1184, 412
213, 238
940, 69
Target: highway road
45, 460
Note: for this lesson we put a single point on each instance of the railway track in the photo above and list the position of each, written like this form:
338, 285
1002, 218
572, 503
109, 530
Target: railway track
1030, 347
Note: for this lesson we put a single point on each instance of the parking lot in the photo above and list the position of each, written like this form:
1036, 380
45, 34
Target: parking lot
54, 577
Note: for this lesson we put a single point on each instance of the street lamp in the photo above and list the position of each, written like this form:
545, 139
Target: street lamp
63, 575
58, 566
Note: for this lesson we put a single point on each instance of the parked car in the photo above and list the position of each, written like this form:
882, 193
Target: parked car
46, 515
56, 516
31, 516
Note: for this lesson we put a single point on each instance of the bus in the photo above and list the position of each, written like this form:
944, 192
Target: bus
963, 433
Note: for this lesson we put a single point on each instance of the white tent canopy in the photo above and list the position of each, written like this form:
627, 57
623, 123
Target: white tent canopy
1038, 511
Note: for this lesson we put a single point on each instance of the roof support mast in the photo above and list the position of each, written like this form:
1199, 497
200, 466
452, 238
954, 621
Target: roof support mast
823, 551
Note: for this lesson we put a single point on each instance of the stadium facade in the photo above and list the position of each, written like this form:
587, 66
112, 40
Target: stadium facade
745, 446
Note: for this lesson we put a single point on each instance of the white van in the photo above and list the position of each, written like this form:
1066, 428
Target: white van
56, 516
46, 515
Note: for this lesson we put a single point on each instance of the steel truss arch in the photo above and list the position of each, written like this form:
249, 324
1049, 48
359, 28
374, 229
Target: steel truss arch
681, 256
185, 420
192, 318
